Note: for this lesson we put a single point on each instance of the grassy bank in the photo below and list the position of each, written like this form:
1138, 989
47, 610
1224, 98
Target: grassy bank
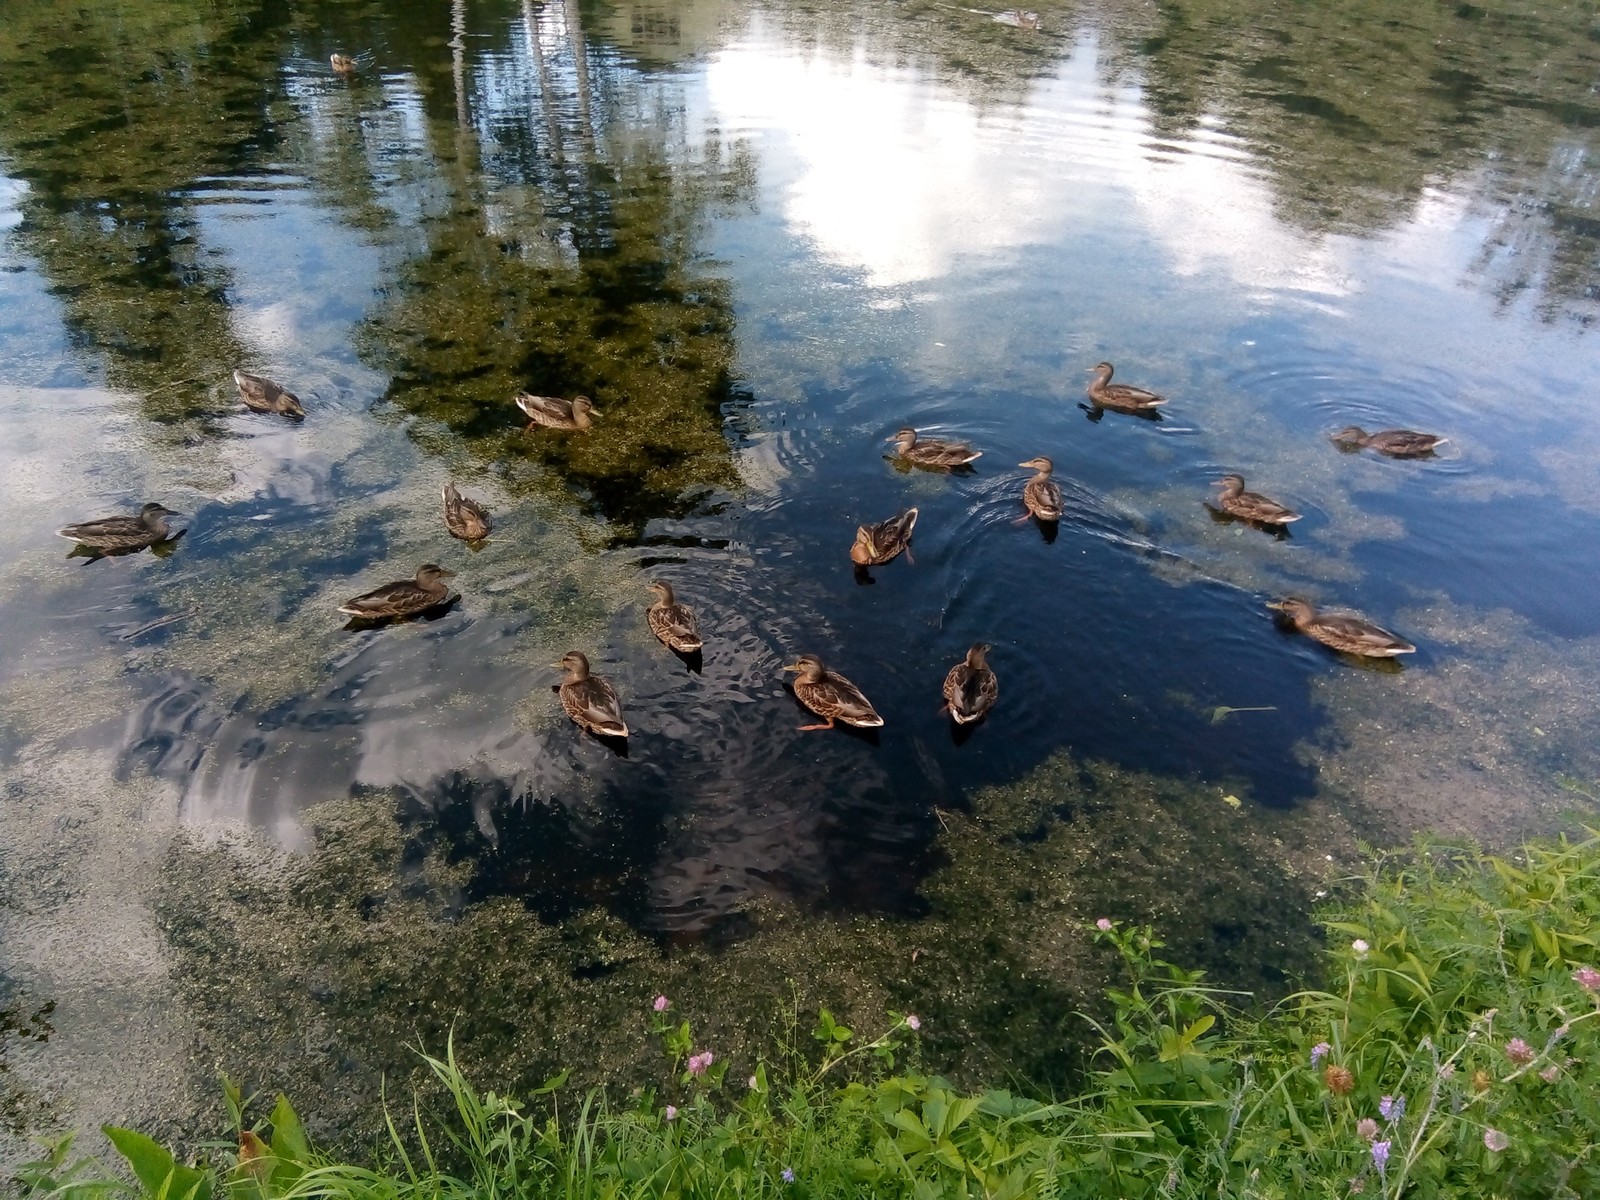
1450, 1051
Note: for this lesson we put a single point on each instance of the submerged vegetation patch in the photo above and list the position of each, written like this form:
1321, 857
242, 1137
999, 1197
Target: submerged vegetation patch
320, 973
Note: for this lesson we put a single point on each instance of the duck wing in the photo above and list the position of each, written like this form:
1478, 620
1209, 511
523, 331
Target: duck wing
1357, 635
265, 395
1253, 506
1123, 395
834, 696
594, 705
464, 518
118, 528
398, 599
970, 693
1404, 442
1043, 499
546, 410
887, 539
675, 625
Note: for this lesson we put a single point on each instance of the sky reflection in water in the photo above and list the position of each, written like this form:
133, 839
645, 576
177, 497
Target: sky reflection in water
761, 260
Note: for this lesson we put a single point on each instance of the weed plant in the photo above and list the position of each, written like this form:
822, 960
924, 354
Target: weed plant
1451, 1053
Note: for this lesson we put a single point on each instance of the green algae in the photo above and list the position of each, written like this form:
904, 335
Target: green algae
326, 972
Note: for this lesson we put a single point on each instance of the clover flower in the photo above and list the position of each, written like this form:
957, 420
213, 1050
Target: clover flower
662, 1004
699, 1062
1392, 1108
1340, 1080
671, 1113
1360, 947
1367, 1128
1319, 1052
1587, 978
1551, 1073
913, 1022
1103, 925
1495, 1140
1380, 1156
753, 1082
1519, 1052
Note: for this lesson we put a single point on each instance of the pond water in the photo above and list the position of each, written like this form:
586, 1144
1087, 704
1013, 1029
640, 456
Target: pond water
763, 237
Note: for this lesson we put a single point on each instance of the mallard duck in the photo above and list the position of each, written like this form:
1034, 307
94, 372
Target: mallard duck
1342, 631
1105, 394
933, 452
1251, 506
877, 544
465, 519
1041, 495
671, 622
556, 412
830, 695
264, 395
590, 700
112, 535
1396, 443
343, 64
404, 597
970, 688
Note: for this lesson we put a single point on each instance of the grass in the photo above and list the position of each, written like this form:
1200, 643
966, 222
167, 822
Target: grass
1450, 1053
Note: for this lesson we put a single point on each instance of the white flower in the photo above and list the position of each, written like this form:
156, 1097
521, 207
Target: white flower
1360, 947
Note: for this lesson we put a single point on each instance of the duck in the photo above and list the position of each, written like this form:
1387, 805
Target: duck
465, 519
831, 696
1251, 506
1105, 394
404, 597
1041, 495
263, 395
342, 64
1342, 631
877, 544
970, 689
1396, 443
589, 700
556, 412
932, 453
673, 624
113, 535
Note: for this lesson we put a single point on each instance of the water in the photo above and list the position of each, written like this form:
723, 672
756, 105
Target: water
763, 238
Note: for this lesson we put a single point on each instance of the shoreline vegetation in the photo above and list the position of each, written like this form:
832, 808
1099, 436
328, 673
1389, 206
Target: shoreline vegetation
1449, 1049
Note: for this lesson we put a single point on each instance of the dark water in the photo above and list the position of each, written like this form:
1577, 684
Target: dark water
763, 239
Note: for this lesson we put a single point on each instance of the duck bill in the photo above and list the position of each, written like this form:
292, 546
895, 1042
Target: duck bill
794, 666
1278, 605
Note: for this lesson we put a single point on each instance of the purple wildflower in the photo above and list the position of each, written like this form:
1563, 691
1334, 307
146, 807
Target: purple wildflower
662, 1004
1392, 1107
1367, 1128
788, 1175
1380, 1155
1551, 1073
1319, 1052
1103, 925
1519, 1052
699, 1062
671, 1113
913, 1022
1495, 1140
1588, 978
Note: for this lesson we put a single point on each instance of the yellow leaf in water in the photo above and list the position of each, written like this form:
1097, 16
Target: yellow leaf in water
1232, 801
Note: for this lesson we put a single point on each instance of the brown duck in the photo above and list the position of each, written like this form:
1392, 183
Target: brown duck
118, 535
556, 413
1342, 631
1041, 495
590, 700
1251, 506
970, 689
1105, 394
1396, 443
932, 452
264, 395
877, 544
464, 518
404, 597
673, 623
343, 64
831, 696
